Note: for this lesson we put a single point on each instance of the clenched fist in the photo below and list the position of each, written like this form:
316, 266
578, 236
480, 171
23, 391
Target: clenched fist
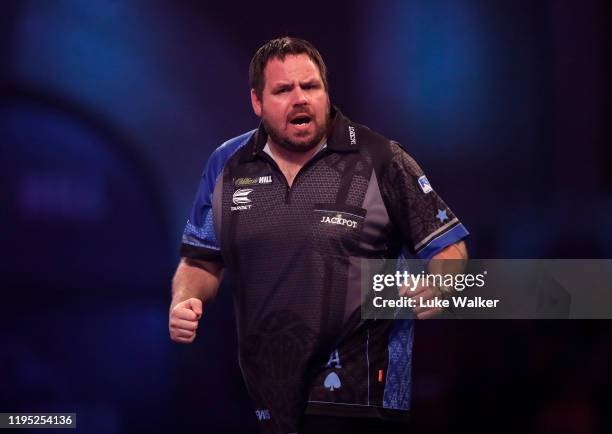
184, 319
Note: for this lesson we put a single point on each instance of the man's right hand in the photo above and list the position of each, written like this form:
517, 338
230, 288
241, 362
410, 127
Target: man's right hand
184, 318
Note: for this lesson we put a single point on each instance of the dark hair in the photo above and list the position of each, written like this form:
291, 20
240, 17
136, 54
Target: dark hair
280, 48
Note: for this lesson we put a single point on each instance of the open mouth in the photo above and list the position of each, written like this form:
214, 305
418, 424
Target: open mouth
301, 120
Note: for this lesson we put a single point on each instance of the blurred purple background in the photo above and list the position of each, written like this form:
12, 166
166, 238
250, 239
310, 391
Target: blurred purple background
109, 110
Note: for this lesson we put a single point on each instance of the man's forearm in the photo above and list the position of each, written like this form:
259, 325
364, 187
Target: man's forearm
452, 260
195, 279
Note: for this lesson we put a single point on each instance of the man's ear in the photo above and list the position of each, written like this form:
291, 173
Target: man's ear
256, 103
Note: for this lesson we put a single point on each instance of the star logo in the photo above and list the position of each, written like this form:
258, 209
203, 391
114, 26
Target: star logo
442, 215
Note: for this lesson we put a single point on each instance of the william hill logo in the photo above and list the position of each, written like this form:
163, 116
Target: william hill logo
262, 414
255, 180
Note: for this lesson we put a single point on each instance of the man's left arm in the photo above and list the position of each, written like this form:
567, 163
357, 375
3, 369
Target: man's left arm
429, 229
450, 260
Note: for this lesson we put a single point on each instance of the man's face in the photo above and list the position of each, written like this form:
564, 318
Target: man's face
294, 106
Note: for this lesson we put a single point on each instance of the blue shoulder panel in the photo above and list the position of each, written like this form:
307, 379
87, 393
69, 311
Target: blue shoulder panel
199, 230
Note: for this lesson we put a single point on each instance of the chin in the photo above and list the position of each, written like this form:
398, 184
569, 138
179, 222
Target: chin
301, 140
299, 145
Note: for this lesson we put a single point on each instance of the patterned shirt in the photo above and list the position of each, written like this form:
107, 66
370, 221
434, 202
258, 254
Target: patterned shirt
294, 254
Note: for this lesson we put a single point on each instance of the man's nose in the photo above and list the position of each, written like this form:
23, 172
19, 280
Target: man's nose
299, 96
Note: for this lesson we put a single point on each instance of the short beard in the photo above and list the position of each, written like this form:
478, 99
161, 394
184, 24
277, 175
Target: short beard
301, 147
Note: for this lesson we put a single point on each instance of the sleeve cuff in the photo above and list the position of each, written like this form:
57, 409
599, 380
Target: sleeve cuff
453, 235
202, 253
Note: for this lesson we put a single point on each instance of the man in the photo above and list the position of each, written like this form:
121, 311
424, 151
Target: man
289, 209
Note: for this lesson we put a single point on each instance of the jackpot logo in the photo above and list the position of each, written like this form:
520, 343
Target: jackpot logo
352, 136
339, 220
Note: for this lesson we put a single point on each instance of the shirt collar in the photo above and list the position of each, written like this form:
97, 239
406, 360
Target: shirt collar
340, 139
268, 151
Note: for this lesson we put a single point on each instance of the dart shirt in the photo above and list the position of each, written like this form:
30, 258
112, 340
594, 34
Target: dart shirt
294, 255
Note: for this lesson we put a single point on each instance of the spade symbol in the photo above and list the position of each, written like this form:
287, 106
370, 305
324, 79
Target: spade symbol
332, 381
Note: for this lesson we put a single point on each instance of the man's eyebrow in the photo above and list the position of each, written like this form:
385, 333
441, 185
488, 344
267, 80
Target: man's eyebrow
282, 85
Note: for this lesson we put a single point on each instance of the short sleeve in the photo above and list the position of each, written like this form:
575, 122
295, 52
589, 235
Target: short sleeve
426, 224
199, 239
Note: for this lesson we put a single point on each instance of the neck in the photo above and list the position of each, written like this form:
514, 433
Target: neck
286, 156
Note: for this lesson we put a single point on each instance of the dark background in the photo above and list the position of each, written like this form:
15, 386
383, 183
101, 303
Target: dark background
109, 110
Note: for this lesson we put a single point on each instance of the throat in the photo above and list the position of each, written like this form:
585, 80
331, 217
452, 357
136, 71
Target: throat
288, 162
289, 171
